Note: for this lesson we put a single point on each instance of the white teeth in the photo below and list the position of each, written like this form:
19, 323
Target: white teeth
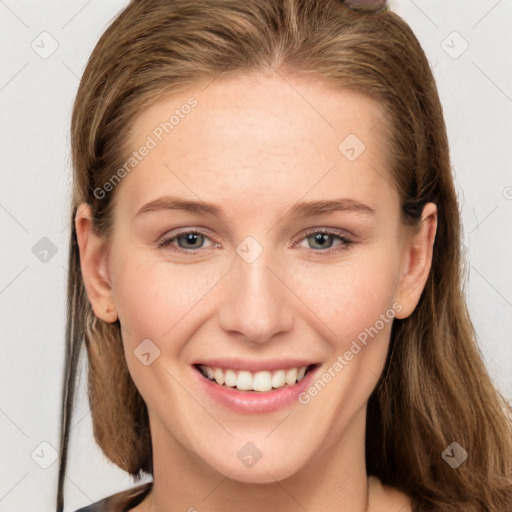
262, 381
291, 376
279, 379
218, 375
244, 381
229, 378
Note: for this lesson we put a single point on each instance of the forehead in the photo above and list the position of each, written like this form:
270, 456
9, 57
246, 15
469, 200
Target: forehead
270, 139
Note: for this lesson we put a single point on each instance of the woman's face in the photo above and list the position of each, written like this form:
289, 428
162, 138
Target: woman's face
256, 289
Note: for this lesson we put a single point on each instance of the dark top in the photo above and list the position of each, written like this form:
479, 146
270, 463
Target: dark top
121, 501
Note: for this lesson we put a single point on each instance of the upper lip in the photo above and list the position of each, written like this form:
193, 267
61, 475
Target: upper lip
253, 366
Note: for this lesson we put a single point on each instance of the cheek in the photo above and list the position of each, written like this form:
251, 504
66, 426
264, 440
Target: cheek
155, 299
355, 300
350, 297
162, 303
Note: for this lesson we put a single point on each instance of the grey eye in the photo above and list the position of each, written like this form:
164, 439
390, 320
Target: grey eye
190, 238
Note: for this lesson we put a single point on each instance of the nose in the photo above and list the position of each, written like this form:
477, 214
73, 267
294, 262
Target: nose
256, 303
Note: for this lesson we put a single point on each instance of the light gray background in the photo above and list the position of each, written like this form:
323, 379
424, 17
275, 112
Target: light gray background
36, 95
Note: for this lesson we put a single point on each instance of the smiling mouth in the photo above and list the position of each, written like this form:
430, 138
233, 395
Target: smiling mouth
261, 381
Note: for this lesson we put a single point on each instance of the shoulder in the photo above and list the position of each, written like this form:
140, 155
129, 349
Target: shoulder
387, 499
120, 502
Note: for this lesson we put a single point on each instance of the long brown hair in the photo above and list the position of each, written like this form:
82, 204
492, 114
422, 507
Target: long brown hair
435, 389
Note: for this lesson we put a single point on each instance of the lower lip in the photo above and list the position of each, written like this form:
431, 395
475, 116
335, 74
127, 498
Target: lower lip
255, 401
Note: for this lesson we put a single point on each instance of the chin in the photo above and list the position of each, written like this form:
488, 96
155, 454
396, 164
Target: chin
252, 466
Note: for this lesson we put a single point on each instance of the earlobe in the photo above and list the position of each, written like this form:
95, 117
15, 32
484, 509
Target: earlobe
417, 261
93, 263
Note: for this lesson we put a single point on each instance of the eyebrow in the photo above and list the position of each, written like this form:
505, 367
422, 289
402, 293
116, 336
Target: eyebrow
300, 210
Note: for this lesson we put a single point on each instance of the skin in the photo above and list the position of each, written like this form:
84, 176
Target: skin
255, 147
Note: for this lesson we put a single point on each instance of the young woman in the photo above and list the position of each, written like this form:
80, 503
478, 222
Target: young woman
265, 267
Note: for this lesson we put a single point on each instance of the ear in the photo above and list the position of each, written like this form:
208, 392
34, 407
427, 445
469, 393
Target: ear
93, 263
417, 261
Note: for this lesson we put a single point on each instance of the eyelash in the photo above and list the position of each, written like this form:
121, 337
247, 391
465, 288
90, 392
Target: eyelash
345, 242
